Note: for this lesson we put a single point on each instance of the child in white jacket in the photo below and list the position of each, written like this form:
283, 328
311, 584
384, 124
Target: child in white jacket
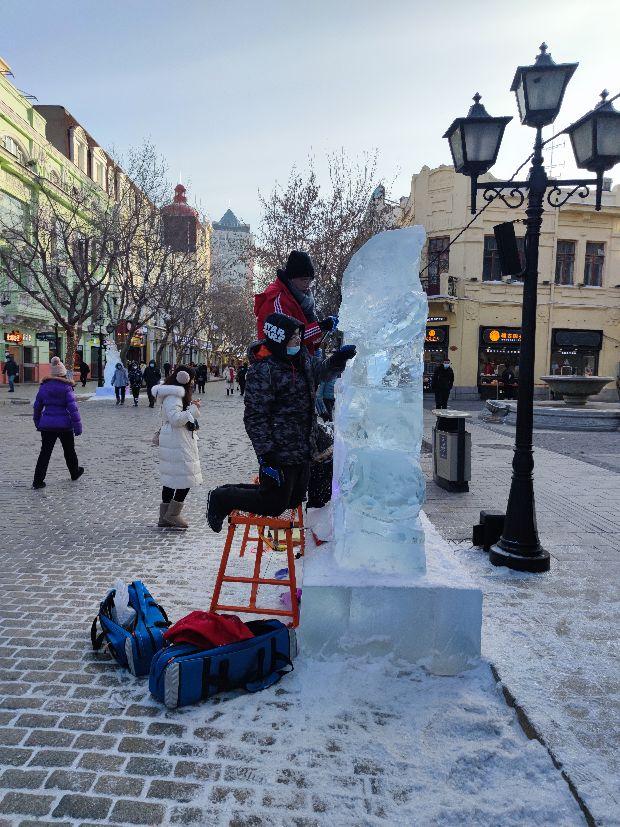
179, 463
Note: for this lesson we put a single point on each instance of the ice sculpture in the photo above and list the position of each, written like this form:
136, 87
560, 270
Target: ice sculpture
374, 588
379, 486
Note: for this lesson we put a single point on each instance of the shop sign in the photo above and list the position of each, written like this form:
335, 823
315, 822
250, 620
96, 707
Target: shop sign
16, 337
436, 319
46, 336
501, 336
578, 338
137, 341
435, 335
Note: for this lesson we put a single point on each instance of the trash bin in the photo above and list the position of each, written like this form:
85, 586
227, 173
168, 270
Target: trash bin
451, 450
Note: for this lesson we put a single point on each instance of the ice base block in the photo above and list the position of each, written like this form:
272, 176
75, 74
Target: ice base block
106, 392
433, 619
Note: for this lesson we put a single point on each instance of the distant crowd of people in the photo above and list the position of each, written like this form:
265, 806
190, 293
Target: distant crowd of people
286, 383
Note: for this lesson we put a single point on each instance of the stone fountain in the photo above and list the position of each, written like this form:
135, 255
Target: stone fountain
576, 389
575, 412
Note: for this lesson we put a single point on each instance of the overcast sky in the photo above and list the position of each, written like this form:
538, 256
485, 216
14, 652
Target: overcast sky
235, 93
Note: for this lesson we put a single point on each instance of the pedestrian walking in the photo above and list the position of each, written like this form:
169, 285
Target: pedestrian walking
84, 371
56, 416
229, 376
202, 377
179, 462
443, 379
241, 375
280, 419
10, 370
290, 293
509, 381
120, 380
152, 377
134, 375
167, 368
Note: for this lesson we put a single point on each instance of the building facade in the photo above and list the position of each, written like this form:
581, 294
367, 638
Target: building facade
231, 249
61, 152
475, 313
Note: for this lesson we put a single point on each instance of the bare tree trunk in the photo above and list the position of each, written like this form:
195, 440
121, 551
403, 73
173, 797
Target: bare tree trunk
72, 340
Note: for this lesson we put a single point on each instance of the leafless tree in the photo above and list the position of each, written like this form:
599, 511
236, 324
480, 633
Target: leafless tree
330, 223
149, 278
63, 253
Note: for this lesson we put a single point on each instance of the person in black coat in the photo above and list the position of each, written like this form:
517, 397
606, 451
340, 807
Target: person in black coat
443, 379
84, 371
202, 375
152, 377
280, 419
241, 374
509, 381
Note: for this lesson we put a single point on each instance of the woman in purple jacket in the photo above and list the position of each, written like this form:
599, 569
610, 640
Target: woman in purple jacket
56, 415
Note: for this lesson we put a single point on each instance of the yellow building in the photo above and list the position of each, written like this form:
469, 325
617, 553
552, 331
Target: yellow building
475, 314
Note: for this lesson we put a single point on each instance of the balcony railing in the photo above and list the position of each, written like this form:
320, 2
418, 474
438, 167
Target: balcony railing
447, 286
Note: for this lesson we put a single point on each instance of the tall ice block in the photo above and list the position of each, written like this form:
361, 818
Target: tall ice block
370, 588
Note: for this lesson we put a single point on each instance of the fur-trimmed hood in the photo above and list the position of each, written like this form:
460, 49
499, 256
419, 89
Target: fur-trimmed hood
58, 379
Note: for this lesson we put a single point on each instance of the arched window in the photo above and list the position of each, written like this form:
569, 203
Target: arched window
11, 145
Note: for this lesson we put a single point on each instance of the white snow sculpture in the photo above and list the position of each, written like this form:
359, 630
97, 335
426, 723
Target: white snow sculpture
112, 357
379, 486
372, 589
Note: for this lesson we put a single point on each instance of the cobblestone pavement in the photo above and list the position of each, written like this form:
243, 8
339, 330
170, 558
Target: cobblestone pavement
553, 637
83, 741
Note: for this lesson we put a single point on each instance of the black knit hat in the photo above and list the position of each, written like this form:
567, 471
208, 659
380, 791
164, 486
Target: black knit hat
278, 329
298, 266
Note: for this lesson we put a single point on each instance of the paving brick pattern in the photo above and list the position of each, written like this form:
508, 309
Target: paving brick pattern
83, 742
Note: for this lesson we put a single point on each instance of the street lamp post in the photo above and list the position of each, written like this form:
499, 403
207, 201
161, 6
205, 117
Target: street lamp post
474, 144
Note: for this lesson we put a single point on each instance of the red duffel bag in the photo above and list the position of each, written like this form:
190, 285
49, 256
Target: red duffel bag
207, 630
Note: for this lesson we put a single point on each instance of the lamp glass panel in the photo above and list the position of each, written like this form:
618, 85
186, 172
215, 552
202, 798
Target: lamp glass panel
544, 89
582, 142
457, 148
482, 140
608, 136
521, 99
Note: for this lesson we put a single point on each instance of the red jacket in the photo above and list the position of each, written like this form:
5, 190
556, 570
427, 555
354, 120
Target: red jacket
277, 298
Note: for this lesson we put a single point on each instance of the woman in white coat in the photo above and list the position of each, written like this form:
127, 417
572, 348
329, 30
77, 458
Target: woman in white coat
179, 463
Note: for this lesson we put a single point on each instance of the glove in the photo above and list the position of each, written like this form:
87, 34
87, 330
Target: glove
329, 324
345, 353
269, 471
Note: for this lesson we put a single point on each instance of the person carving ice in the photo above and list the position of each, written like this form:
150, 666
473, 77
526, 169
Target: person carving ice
280, 419
290, 293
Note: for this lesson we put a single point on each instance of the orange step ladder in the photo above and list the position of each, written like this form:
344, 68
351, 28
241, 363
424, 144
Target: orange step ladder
273, 543
287, 522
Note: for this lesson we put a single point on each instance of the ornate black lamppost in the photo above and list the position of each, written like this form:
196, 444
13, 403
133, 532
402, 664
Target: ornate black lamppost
474, 144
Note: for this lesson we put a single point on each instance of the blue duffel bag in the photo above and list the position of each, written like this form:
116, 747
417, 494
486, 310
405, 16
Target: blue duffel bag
134, 647
185, 674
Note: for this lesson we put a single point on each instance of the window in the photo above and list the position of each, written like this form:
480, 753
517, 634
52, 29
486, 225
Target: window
81, 157
438, 262
595, 258
13, 212
565, 262
11, 145
99, 173
491, 267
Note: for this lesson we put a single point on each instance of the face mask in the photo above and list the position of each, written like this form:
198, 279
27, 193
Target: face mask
292, 351
446, 364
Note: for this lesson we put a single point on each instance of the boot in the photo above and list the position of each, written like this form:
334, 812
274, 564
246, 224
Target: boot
173, 515
163, 522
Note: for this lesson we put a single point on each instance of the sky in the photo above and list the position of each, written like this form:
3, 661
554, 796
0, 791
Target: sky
234, 94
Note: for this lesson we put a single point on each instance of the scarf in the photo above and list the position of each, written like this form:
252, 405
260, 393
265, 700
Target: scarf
305, 301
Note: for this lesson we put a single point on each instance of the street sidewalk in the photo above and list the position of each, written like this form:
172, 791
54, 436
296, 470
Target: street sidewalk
336, 743
554, 638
